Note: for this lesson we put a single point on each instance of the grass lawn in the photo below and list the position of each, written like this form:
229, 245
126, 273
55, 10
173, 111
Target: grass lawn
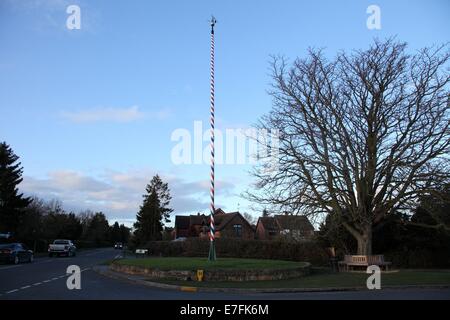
174, 263
323, 279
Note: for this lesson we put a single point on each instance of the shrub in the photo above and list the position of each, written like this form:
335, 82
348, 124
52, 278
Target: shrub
234, 248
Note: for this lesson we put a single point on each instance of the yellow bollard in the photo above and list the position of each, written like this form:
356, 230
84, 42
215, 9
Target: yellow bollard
200, 275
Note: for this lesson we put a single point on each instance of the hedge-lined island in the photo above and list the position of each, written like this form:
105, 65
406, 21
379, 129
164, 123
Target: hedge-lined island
224, 269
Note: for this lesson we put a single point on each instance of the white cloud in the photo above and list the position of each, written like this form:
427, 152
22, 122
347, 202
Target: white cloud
32, 5
119, 194
109, 114
104, 114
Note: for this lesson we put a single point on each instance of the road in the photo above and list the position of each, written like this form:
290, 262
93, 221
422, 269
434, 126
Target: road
46, 278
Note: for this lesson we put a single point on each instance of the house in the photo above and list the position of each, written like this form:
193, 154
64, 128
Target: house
189, 226
233, 225
291, 226
228, 225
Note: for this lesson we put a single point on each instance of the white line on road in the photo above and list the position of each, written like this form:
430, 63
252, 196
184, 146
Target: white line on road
39, 283
11, 267
11, 291
44, 261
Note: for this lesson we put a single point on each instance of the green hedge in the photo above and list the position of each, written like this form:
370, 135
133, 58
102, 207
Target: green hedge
233, 248
85, 244
419, 258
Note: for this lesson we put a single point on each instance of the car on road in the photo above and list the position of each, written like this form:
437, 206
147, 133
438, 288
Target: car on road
61, 247
15, 253
118, 245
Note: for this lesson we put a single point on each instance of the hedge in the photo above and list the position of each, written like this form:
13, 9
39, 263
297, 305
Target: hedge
234, 248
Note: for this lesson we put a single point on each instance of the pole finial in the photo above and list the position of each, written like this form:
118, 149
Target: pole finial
213, 22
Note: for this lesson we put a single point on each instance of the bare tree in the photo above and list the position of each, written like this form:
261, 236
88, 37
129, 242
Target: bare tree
250, 218
361, 136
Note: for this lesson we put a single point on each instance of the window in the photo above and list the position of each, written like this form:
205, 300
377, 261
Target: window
237, 230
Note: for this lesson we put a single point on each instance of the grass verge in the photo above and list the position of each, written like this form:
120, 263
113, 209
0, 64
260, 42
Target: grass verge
175, 263
323, 279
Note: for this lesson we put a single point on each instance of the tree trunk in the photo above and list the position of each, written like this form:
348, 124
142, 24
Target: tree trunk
365, 242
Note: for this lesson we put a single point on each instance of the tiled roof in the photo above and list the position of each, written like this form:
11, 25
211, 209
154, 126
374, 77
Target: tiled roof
286, 222
182, 222
291, 222
269, 223
198, 219
221, 220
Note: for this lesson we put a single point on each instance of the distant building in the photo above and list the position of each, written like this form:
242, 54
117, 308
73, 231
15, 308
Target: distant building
228, 225
290, 226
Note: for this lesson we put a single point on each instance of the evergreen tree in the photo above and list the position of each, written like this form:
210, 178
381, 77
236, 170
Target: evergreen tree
12, 203
116, 233
154, 212
98, 229
124, 233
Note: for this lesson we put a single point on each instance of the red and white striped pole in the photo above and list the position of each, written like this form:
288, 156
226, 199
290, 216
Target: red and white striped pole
212, 228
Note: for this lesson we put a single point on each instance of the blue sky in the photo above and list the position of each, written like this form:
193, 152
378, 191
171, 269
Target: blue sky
91, 111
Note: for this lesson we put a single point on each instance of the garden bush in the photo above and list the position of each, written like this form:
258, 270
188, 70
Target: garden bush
309, 251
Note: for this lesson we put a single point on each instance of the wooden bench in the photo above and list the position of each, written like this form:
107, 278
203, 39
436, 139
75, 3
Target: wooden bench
351, 262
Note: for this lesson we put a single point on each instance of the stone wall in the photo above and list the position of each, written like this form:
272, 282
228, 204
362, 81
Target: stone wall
218, 275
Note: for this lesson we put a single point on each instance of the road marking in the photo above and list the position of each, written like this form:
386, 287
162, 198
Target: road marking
11, 267
45, 281
45, 261
12, 291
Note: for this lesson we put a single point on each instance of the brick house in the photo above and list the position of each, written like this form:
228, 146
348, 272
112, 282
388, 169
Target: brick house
233, 225
290, 226
228, 225
190, 226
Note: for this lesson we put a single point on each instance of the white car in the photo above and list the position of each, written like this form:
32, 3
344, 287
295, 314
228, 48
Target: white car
62, 247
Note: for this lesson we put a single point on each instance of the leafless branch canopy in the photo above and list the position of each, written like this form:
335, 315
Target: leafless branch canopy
361, 135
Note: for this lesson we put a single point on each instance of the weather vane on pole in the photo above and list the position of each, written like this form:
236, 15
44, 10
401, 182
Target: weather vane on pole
212, 248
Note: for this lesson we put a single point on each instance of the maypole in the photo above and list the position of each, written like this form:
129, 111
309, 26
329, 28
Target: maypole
212, 248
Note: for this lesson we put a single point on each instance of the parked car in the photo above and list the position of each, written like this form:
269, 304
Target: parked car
5, 237
118, 245
15, 253
62, 247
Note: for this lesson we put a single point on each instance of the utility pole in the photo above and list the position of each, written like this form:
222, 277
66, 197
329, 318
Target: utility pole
212, 228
